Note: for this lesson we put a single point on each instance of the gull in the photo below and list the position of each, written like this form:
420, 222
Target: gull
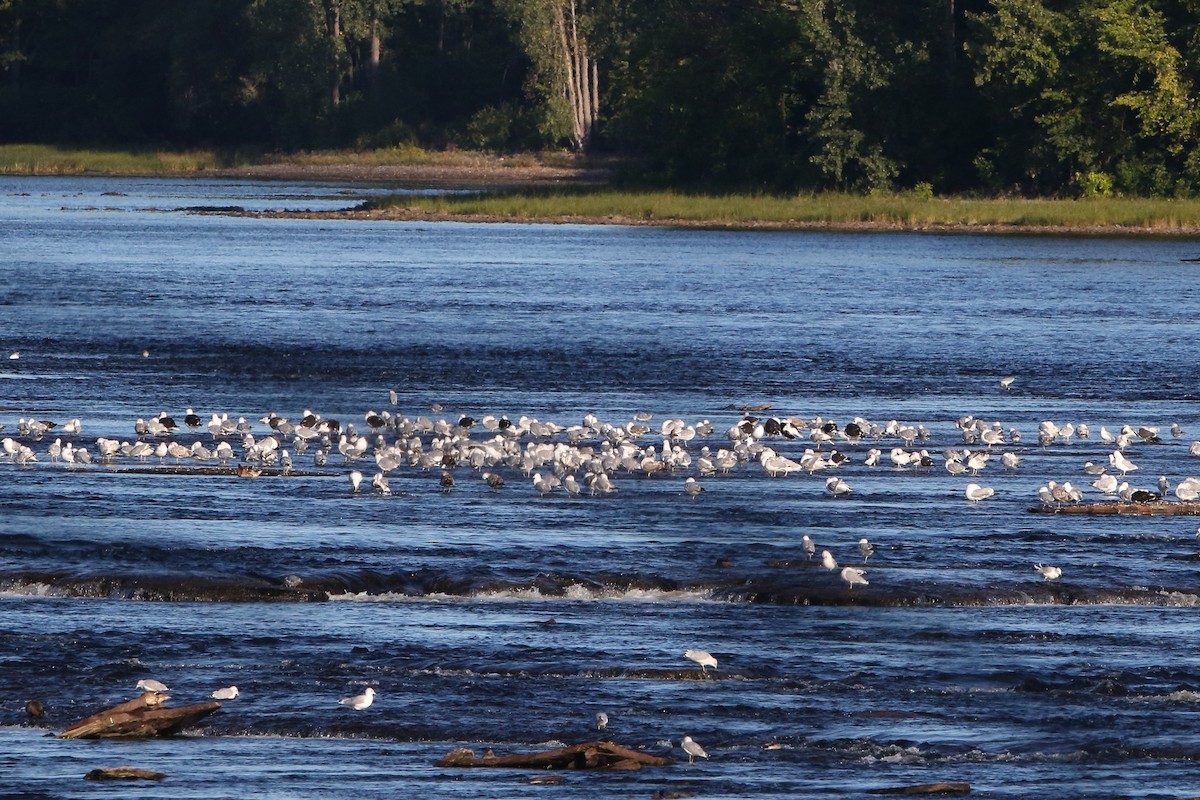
1010, 460
853, 575
1094, 469
1164, 485
1176, 430
1188, 490
955, 467
701, 657
14, 355
828, 561
446, 481
837, 487
493, 480
1106, 484
380, 482
544, 486
571, 486
1007, 381
692, 749
809, 547
1120, 462
601, 721
1048, 573
151, 685
692, 488
975, 492
355, 480
865, 548
359, 701
228, 693
991, 437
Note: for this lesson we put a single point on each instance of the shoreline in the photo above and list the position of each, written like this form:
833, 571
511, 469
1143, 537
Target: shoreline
519, 172
410, 214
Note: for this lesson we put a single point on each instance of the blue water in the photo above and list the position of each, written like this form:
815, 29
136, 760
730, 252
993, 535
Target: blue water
957, 662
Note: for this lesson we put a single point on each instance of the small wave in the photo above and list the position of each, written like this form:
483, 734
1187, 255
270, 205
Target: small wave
526, 594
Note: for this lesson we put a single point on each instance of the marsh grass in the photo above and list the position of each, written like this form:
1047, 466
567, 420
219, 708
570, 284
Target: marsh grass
33, 159
36, 159
903, 210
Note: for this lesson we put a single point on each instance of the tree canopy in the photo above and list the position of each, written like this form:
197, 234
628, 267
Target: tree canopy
1011, 96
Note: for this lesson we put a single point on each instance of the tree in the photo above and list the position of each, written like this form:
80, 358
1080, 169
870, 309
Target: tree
565, 76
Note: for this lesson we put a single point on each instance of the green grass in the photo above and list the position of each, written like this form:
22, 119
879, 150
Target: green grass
36, 159
817, 209
31, 159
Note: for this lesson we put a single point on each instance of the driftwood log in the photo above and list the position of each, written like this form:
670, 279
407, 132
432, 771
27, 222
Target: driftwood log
1156, 509
123, 774
589, 755
139, 718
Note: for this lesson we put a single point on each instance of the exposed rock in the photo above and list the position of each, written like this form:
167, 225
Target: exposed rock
1159, 508
123, 774
588, 755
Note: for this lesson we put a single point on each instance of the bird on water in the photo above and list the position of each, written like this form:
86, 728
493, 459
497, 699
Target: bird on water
359, 701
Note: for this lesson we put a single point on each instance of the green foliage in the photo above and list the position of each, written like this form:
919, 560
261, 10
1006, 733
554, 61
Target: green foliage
1094, 184
1024, 97
502, 128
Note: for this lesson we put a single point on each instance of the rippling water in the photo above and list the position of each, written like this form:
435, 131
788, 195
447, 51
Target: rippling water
956, 663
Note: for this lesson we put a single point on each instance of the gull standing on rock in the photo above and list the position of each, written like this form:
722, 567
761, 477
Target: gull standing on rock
853, 575
828, 561
1047, 572
808, 546
692, 749
701, 657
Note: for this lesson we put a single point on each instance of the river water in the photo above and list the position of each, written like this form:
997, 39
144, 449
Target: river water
957, 662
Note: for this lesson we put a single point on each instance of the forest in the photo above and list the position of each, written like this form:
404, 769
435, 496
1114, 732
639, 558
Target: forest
1007, 97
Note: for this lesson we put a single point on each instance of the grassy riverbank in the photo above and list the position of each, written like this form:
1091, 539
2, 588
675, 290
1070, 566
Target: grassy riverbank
899, 210
34, 159
556, 187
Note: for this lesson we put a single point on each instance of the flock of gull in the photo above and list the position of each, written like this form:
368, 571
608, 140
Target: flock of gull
592, 457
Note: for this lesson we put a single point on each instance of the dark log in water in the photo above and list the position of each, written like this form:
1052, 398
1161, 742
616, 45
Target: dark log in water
123, 774
1158, 509
588, 755
926, 788
139, 718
